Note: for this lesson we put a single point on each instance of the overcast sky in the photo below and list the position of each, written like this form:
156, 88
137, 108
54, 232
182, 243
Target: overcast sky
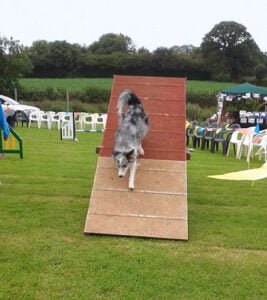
149, 23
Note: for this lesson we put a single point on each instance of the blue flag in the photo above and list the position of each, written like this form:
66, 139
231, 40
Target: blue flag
257, 128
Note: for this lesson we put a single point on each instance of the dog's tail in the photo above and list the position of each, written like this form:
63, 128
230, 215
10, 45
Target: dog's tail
127, 97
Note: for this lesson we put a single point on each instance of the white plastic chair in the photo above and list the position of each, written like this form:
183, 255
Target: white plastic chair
45, 117
263, 149
89, 120
56, 118
246, 140
100, 122
34, 117
259, 141
235, 140
79, 116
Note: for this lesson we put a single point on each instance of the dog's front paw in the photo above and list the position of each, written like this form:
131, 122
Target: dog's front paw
141, 151
131, 187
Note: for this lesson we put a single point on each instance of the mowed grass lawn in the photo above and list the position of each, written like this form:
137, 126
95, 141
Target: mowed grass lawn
45, 255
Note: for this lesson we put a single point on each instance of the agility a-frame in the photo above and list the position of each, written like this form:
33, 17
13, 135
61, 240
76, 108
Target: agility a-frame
158, 206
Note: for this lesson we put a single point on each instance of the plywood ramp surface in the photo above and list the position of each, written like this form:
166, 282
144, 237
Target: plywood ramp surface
157, 207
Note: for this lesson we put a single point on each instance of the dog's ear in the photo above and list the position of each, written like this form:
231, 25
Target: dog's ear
129, 154
115, 153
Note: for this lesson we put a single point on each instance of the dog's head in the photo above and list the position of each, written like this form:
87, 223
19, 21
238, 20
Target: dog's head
123, 161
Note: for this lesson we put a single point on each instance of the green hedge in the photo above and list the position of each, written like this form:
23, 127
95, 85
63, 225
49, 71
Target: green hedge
86, 95
100, 95
199, 104
202, 98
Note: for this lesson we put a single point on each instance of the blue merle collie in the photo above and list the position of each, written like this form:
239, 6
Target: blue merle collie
133, 127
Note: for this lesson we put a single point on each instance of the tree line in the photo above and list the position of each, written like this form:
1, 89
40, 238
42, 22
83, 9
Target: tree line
107, 57
227, 53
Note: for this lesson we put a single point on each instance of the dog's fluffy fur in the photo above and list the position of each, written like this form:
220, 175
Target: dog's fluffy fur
133, 127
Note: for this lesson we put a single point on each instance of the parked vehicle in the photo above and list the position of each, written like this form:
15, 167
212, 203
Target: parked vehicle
15, 111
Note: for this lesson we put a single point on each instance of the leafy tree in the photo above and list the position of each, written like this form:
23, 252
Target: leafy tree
39, 54
13, 60
63, 58
14, 63
184, 49
110, 43
164, 62
167, 62
55, 59
230, 51
261, 72
143, 50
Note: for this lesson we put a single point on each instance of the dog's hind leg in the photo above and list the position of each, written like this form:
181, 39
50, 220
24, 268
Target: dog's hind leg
132, 176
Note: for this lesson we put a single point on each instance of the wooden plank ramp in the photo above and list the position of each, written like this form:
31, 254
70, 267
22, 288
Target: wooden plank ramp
157, 208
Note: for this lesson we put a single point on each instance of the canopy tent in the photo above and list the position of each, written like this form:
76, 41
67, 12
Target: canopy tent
245, 89
239, 93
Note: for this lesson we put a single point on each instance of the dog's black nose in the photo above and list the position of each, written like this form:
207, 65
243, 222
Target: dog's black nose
120, 176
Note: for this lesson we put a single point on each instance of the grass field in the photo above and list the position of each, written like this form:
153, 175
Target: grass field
202, 92
70, 84
45, 255
75, 84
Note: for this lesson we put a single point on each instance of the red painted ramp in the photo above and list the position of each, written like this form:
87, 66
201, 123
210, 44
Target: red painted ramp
158, 205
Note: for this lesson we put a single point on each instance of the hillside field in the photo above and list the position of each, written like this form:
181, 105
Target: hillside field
75, 84
50, 94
